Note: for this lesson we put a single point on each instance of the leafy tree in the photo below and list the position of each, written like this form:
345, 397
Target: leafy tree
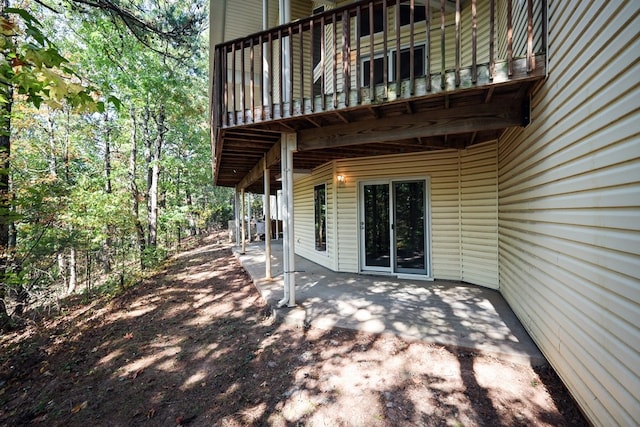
87, 164
32, 67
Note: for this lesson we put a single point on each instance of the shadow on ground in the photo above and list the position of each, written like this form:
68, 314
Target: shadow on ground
194, 345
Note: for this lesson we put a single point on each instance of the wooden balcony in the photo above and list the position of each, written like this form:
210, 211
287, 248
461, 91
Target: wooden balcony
376, 77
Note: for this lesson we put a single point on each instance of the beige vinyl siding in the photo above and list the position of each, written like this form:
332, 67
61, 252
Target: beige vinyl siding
463, 209
479, 214
304, 216
444, 169
569, 217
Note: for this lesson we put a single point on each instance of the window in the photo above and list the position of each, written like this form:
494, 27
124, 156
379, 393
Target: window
405, 63
320, 215
378, 17
405, 66
419, 14
378, 71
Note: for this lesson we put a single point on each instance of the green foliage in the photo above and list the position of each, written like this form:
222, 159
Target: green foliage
61, 128
32, 65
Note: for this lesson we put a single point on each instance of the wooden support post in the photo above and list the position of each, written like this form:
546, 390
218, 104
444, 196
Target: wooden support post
243, 227
267, 223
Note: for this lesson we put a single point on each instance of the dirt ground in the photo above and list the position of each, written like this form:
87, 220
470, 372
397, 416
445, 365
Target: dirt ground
195, 345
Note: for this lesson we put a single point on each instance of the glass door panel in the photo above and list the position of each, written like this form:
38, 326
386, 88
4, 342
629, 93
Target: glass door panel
409, 227
375, 227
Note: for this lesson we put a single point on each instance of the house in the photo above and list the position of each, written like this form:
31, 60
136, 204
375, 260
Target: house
491, 141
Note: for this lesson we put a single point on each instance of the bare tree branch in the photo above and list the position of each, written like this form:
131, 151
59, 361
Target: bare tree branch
156, 29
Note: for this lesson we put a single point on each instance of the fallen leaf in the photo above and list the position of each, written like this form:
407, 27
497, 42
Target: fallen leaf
79, 407
128, 336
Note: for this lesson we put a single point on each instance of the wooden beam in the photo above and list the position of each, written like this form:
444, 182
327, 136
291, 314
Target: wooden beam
470, 118
341, 116
271, 157
313, 122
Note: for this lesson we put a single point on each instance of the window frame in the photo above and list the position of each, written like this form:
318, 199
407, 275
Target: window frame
320, 217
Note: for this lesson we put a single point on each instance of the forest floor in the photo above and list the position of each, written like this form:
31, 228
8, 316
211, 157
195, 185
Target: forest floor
194, 344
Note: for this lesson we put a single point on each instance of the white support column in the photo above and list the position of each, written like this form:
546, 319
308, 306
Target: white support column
236, 207
242, 222
267, 223
250, 197
278, 202
289, 143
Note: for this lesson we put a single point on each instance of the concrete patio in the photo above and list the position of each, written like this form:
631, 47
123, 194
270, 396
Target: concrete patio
440, 312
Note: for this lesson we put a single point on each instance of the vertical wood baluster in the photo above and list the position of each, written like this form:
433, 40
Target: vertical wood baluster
509, 38
262, 79
334, 75
492, 33
385, 53
270, 76
313, 74
252, 85
412, 77
346, 56
474, 42
225, 83
323, 52
281, 72
531, 61
301, 77
233, 83
372, 88
457, 43
442, 46
357, 73
289, 47
396, 65
428, 52
243, 83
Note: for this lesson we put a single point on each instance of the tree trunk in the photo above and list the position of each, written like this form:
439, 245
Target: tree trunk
107, 155
146, 135
73, 278
107, 243
5, 198
53, 167
155, 177
62, 270
135, 206
191, 215
88, 272
67, 143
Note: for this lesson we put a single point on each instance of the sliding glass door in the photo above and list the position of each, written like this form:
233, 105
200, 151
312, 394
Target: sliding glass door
394, 226
409, 225
375, 227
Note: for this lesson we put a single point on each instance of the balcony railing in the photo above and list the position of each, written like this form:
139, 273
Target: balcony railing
375, 51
